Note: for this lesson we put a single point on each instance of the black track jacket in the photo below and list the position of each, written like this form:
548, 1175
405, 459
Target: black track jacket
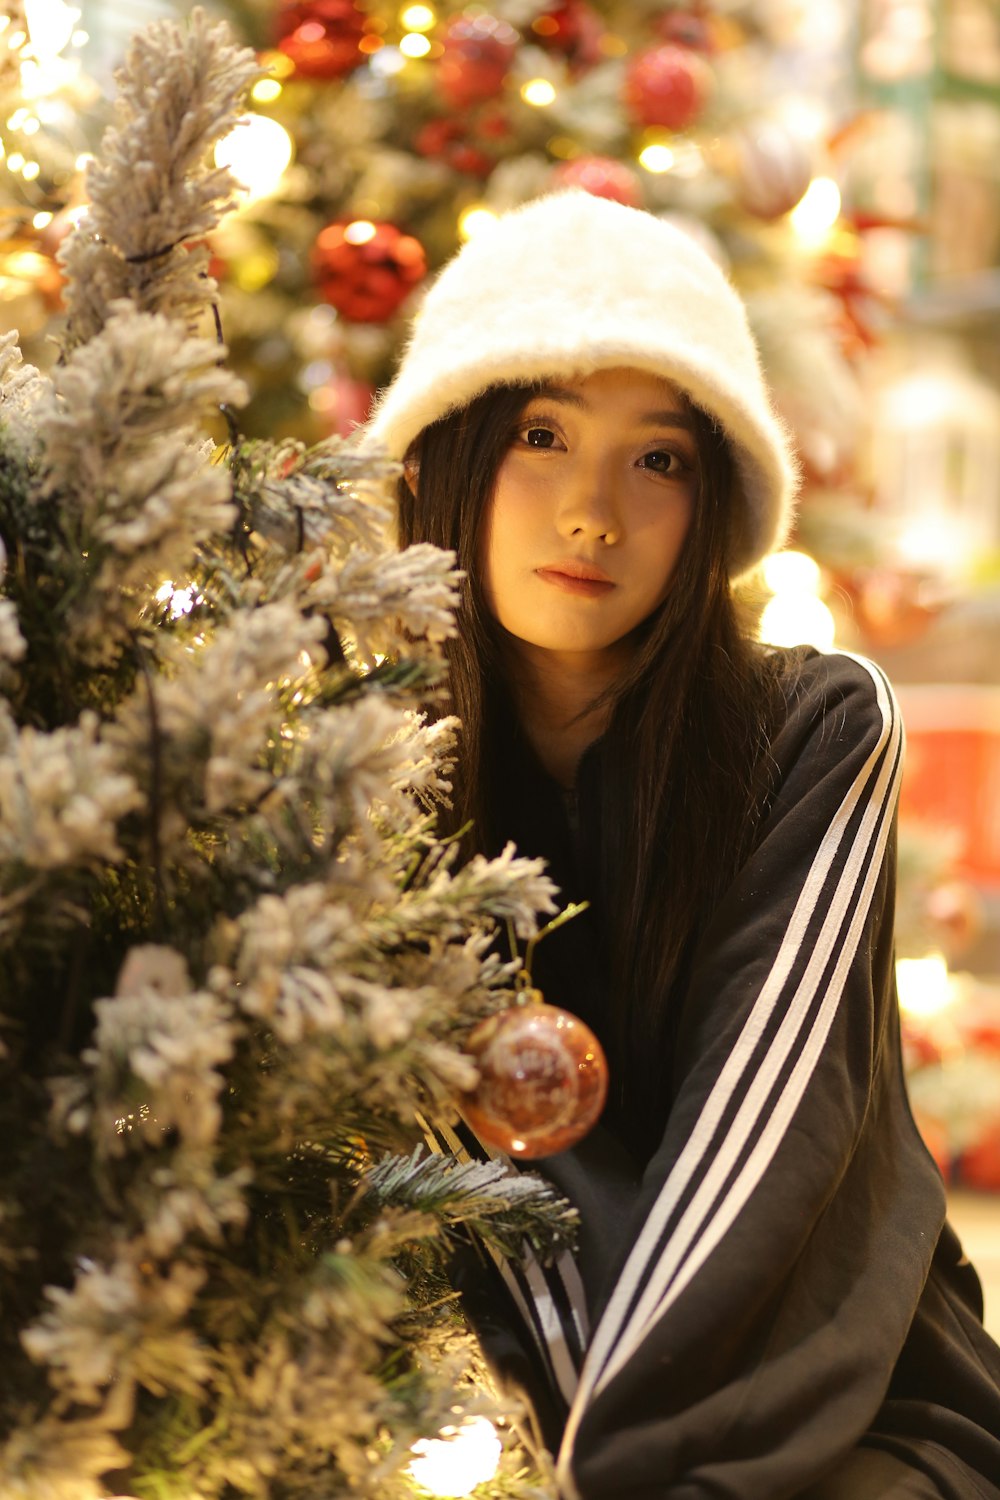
776, 1283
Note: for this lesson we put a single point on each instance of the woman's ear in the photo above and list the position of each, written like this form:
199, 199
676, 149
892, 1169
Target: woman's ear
411, 473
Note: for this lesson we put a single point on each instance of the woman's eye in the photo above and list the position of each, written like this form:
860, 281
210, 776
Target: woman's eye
539, 437
661, 462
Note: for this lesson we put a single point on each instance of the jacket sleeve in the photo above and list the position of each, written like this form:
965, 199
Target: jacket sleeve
785, 1226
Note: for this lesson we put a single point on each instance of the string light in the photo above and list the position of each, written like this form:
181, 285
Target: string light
51, 23
360, 232
791, 572
797, 620
265, 91
656, 157
417, 18
181, 601
459, 1460
539, 92
817, 211
796, 615
257, 152
277, 63
924, 985
414, 45
387, 61
474, 220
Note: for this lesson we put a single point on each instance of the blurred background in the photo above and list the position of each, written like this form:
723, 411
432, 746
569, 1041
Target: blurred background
841, 161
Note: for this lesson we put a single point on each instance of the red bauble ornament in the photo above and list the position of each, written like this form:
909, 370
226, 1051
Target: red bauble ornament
543, 1080
447, 141
572, 30
667, 86
602, 176
772, 168
365, 270
321, 37
478, 52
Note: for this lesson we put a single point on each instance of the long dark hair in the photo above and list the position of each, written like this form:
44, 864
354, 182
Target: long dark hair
685, 765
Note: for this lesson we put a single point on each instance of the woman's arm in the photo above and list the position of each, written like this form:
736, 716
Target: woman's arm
787, 1222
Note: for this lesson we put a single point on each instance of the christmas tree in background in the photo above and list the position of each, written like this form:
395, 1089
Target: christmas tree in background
50, 114
409, 126
236, 966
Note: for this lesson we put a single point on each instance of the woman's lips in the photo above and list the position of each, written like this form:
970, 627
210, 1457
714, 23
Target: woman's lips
577, 578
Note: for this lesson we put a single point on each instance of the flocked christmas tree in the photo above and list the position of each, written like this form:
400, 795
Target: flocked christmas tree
235, 964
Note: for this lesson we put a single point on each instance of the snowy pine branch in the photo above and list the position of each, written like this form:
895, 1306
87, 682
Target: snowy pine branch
154, 190
501, 1204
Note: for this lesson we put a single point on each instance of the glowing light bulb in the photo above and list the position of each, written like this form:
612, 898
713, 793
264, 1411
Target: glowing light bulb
797, 620
791, 572
539, 92
475, 220
458, 1460
257, 152
25, 265
924, 986
817, 211
360, 232
414, 45
387, 61
656, 157
30, 171
417, 18
265, 91
181, 601
42, 220
15, 161
51, 23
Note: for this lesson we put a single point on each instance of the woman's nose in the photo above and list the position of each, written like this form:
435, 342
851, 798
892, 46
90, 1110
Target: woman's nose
588, 508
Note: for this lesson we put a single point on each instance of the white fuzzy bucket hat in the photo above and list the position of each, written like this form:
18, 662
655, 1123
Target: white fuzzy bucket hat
570, 284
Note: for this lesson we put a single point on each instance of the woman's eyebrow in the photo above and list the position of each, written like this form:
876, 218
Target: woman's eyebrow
667, 417
558, 393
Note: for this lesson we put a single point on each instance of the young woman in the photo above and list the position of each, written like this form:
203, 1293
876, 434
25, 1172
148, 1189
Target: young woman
766, 1301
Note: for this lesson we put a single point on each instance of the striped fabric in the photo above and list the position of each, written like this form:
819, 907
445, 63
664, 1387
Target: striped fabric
550, 1299
728, 1153
773, 1110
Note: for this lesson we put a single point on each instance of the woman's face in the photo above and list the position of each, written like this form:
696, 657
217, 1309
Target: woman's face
591, 508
